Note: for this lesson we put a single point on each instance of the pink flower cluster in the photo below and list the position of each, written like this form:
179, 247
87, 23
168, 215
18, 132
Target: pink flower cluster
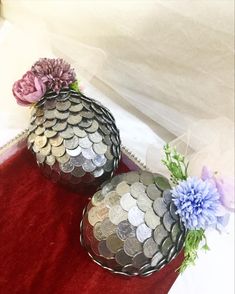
44, 75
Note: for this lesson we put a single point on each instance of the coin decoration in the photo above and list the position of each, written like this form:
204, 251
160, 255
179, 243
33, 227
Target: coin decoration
74, 138
130, 227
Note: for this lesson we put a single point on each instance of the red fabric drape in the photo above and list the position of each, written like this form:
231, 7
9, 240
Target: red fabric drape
40, 250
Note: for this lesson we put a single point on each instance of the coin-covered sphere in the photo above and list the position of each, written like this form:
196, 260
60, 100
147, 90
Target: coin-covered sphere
131, 227
74, 138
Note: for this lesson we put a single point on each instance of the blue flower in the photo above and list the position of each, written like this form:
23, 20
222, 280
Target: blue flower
197, 202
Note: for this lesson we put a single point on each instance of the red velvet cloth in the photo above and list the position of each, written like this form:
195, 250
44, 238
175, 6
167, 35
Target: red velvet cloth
40, 250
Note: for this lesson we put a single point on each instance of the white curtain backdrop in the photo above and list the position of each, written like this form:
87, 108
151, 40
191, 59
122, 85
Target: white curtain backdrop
165, 69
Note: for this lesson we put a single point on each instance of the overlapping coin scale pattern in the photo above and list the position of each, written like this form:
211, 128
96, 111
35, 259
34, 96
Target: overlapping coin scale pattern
74, 137
130, 226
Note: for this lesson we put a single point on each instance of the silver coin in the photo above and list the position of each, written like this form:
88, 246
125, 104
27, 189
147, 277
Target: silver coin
112, 198
100, 148
98, 173
159, 206
59, 126
107, 140
175, 232
87, 114
50, 104
135, 216
49, 113
132, 177
122, 188
143, 232
104, 130
63, 105
108, 154
130, 270
31, 137
71, 143
104, 250
78, 172
40, 130
150, 247
58, 151
166, 246
159, 234
32, 127
146, 178
63, 159
168, 221
156, 259
99, 160
106, 188
76, 107
74, 119
137, 189
132, 246
77, 160
108, 167
167, 196
117, 214
97, 232
97, 198
50, 160
50, 133
46, 150
151, 219
139, 260
125, 230
127, 201
95, 137
88, 153
122, 258
74, 152
40, 141
40, 157
56, 141
107, 227
85, 142
94, 127
173, 211
161, 182
79, 132
153, 192
114, 243
40, 120
143, 202
67, 167
117, 179
88, 166
49, 123
67, 133
61, 115
85, 123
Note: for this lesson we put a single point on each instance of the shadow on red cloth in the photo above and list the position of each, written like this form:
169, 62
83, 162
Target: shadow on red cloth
40, 250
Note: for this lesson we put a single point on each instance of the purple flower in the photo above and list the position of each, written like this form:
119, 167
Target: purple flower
29, 89
55, 73
197, 202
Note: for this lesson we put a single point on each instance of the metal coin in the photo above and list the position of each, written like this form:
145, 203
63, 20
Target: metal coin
39, 112
132, 246
40, 157
175, 232
150, 247
50, 160
104, 250
117, 214
49, 113
132, 177
85, 123
40, 130
76, 107
50, 133
97, 232
107, 228
108, 167
88, 166
153, 192
61, 115
168, 221
78, 172
59, 126
85, 142
125, 230
102, 212
88, 153
108, 154
97, 198
56, 141
114, 243
40, 120
159, 234
143, 232
166, 246
63, 105
94, 127
75, 152
46, 150
143, 202
71, 143
117, 179
36, 149
146, 178
79, 132
127, 201
63, 159
135, 216
151, 219
137, 189
58, 151
31, 137
67, 167
50, 104
100, 148
139, 260
98, 173
32, 127
112, 198
167, 196
173, 210
107, 140
40, 141
99, 160
49, 123
159, 206
77, 160
122, 188
92, 216
122, 258
156, 259
67, 133
162, 183
95, 137
74, 119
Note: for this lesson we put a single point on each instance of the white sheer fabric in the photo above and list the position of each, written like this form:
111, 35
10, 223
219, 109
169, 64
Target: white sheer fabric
165, 68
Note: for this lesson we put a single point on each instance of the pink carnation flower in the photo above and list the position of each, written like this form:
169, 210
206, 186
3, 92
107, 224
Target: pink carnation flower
29, 89
55, 73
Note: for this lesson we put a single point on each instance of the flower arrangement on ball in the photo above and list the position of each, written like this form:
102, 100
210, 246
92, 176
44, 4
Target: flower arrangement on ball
202, 203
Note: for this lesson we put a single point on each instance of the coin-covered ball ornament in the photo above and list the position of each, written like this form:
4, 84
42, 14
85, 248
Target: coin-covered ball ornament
74, 138
130, 227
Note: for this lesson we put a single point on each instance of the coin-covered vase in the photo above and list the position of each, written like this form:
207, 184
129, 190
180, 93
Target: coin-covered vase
74, 138
130, 226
